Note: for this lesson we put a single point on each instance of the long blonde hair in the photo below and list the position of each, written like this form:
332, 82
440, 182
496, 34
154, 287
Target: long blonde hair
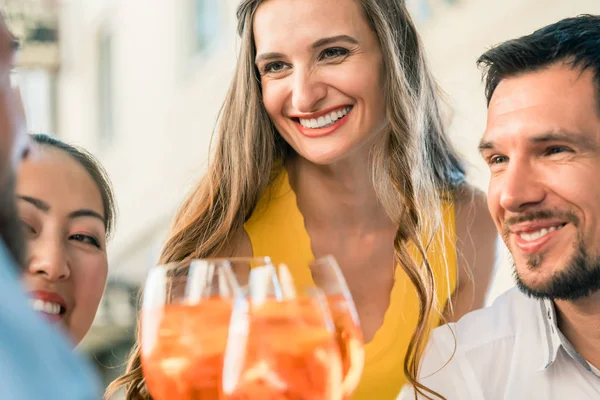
410, 169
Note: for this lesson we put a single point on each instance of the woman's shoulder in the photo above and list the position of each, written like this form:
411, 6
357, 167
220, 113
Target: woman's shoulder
471, 211
477, 250
238, 245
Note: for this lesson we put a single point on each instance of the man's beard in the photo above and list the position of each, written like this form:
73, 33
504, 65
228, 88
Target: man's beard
579, 279
11, 231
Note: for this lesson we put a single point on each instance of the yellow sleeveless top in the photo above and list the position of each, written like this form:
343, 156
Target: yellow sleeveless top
276, 229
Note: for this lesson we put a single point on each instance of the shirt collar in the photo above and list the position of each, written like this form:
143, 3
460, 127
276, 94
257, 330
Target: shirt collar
553, 339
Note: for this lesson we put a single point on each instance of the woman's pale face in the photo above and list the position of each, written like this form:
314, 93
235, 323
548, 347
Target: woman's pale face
62, 212
321, 72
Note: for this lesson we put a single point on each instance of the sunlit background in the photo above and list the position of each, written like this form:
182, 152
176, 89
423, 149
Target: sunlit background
139, 84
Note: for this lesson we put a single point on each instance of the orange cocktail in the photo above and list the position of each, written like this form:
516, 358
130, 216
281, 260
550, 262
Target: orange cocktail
183, 348
350, 340
290, 353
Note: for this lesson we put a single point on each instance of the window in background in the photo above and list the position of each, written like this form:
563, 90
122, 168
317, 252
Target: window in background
105, 89
206, 24
424, 10
35, 26
38, 91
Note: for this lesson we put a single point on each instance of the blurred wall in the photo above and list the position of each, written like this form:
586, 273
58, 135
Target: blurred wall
150, 111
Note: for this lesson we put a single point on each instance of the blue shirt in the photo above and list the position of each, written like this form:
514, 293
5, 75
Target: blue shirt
36, 361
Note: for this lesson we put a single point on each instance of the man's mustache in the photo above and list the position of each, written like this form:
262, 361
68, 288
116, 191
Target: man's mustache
539, 215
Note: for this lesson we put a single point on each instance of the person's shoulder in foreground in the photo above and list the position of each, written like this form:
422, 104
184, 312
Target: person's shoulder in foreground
35, 361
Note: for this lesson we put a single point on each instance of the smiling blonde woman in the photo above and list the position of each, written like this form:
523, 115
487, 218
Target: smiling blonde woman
331, 142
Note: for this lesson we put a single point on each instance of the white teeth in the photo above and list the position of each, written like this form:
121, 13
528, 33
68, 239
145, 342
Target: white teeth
537, 234
45, 306
326, 120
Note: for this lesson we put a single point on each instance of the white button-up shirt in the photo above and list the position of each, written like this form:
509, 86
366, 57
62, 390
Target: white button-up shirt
511, 350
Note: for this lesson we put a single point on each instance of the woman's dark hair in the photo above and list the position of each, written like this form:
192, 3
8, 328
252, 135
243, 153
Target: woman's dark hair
93, 167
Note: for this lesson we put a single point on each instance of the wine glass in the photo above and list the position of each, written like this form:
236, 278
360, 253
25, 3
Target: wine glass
281, 347
328, 276
186, 312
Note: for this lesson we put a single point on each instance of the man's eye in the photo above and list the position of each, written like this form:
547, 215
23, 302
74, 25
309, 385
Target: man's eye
497, 160
556, 150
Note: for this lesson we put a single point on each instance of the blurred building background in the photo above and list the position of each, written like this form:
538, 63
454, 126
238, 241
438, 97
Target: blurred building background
140, 83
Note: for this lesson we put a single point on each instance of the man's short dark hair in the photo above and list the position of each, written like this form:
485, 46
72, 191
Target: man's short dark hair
575, 41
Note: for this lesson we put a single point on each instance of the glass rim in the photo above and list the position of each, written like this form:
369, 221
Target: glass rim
315, 295
265, 259
330, 261
228, 260
325, 258
306, 291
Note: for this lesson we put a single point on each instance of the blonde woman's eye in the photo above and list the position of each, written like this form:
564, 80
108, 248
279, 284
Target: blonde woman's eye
276, 66
334, 52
